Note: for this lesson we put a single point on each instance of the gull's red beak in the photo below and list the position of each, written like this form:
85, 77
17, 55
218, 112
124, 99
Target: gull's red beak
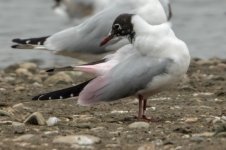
107, 39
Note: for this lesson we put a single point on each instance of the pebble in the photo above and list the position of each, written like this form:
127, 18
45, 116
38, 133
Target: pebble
222, 134
29, 66
158, 142
204, 134
18, 106
23, 72
191, 120
223, 118
85, 147
59, 78
19, 128
35, 119
51, 132
119, 112
52, 121
6, 122
26, 137
98, 129
19, 88
10, 79
113, 146
139, 125
77, 139
4, 113
2, 89
197, 139
147, 147
37, 85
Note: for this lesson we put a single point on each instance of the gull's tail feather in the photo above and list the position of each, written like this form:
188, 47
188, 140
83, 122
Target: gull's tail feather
67, 68
30, 43
74, 68
62, 94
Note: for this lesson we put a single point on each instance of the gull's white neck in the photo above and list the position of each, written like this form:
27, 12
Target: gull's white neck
142, 27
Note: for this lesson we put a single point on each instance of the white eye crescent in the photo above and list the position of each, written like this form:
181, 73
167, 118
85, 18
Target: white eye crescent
117, 27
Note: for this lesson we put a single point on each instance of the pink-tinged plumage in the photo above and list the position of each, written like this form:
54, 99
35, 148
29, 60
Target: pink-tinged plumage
97, 69
89, 94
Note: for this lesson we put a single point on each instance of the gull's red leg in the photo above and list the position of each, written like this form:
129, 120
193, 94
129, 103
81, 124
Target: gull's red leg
140, 112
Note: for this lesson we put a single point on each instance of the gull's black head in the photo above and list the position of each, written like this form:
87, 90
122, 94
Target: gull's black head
57, 3
122, 27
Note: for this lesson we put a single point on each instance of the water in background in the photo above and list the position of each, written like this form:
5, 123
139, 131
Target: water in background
201, 23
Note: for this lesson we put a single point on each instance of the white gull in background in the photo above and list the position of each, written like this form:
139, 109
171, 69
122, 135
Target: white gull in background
79, 9
86, 36
155, 60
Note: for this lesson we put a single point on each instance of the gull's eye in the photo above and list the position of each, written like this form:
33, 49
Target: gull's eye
117, 27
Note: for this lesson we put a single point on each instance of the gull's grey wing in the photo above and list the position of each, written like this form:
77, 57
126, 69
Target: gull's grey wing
124, 80
92, 31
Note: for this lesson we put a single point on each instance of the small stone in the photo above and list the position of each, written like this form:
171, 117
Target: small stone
52, 121
158, 142
113, 146
86, 147
191, 120
35, 119
18, 106
222, 134
186, 136
84, 125
26, 137
139, 125
119, 112
223, 118
2, 89
29, 66
147, 147
77, 139
4, 113
23, 72
37, 85
98, 129
6, 122
51, 132
59, 78
19, 88
217, 120
197, 139
9, 79
204, 134
19, 128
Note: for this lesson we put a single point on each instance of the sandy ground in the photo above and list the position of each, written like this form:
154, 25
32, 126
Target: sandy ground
191, 115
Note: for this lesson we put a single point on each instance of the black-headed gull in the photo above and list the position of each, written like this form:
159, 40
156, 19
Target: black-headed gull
155, 59
79, 9
86, 36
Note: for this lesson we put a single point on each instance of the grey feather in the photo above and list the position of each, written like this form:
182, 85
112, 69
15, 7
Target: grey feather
131, 76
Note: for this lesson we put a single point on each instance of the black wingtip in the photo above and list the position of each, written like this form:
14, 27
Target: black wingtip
36, 97
50, 70
16, 40
14, 46
63, 93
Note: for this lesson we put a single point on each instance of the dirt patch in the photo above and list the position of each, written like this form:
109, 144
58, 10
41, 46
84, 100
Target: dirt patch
192, 114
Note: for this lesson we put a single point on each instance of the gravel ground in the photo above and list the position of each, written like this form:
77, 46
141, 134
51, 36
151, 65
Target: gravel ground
191, 115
